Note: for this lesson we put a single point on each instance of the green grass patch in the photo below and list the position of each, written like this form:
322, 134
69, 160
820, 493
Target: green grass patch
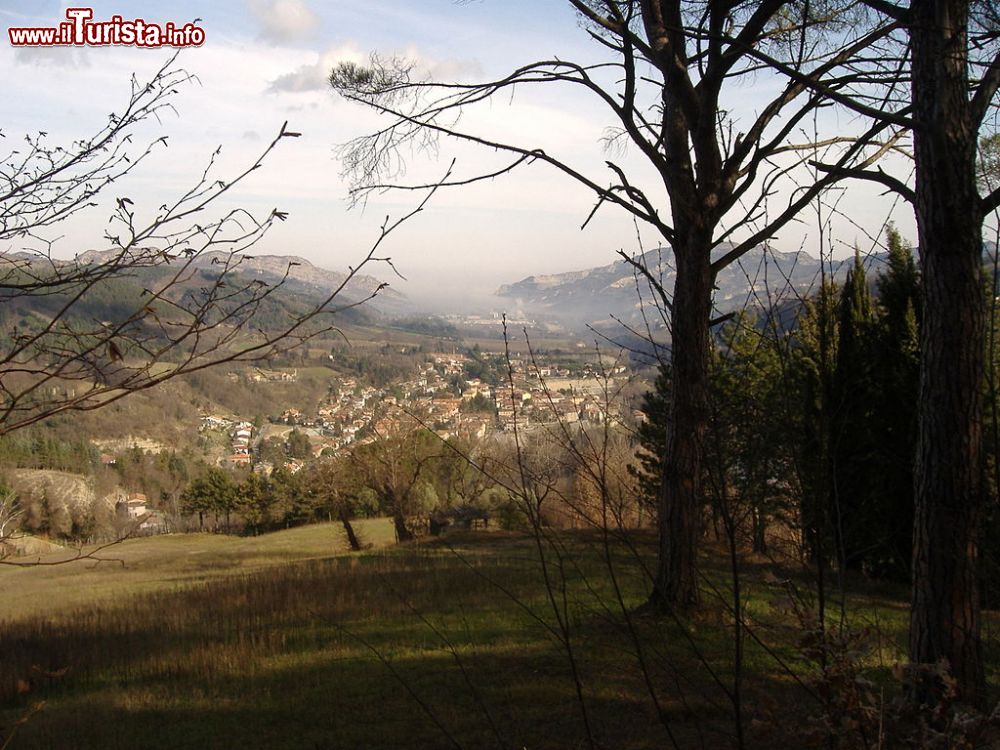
284, 641
144, 565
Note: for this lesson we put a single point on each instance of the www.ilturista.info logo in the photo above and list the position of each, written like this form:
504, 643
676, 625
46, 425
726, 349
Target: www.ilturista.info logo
80, 30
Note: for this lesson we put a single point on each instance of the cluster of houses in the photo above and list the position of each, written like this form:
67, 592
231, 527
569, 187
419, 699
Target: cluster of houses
493, 320
533, 394
545, 395
240, 435
133, 511
355, 413
260, 375
346, 415
438, 395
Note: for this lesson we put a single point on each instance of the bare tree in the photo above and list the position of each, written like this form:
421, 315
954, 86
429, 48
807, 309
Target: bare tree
10, 517
668, 84
165, 296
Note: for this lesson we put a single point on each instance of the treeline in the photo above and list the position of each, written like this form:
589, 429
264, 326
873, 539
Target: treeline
34, 448
380, 367
108, 299
82, 507
420, 480
430, 325
249, 502
573, 478
812, 432
406, 476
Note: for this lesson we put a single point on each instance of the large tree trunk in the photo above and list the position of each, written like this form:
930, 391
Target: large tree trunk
403, 533
352, 537
680, 502
945, 621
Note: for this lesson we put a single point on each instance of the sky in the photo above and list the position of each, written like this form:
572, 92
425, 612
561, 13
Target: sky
265, 62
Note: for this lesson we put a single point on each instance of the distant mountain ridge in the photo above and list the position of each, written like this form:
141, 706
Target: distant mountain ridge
300, 271
297, 287
595, 295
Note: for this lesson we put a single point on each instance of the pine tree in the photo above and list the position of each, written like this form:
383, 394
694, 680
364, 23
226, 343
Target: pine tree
746, 445
746, 453
255, 501
652, 434
214, 492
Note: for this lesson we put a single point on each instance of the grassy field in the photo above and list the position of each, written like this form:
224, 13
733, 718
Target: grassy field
285, 642
153, 564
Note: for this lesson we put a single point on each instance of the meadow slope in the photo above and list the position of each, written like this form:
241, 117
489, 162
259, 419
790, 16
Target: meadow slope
477, 640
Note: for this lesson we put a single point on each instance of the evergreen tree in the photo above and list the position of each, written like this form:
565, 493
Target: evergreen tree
856, 378
255, 500
855, 496
293, 505
812, 387
746, 454
898, 366
652, 436
215, 492
841, 423
299, 445
746, 446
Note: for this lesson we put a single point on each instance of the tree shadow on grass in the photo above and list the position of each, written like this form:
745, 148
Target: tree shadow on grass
414, 648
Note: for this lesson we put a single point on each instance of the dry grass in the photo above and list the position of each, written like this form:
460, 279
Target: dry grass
444, 644
152, 564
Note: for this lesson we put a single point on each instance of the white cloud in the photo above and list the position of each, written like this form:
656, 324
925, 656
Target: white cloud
313, 76
284, 21
449, 69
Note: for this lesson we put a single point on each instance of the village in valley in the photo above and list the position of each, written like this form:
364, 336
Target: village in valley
526, 393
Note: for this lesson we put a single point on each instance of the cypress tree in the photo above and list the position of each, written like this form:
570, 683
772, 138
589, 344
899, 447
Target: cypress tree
855, 379
855, 499
898, 359
813, 370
